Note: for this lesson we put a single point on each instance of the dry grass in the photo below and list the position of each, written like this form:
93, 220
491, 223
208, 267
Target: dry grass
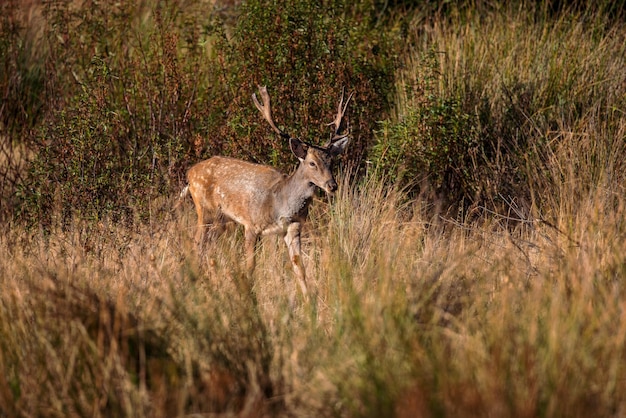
412, 316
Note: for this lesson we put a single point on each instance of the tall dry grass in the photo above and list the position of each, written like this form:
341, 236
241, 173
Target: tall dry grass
536, 94
412, 315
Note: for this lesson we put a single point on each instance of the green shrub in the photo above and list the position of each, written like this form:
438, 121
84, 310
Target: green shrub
22, 97
434, 143
144, 91
306, 53
127, 114
487, 100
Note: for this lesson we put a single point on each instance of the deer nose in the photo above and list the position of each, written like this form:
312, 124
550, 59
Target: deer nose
331, 186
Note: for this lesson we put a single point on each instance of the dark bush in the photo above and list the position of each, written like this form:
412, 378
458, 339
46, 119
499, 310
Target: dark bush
436, 145
144, 91
306, 53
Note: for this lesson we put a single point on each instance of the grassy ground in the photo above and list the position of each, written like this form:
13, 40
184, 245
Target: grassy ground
411, 316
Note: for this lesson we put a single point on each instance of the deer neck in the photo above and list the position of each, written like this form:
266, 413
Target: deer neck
294, 195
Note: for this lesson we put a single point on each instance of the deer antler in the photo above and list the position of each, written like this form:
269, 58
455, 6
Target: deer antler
341, 110
266, 110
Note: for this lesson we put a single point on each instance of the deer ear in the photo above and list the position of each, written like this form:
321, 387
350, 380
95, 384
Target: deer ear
298, 148
338, 147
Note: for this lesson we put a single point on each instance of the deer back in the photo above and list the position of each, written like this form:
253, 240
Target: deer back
240, 190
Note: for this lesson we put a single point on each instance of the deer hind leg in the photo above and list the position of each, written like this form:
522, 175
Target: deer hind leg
211, 223
218, 225
199, 237
250, 248
292, 239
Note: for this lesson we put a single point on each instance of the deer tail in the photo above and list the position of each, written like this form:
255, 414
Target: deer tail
183, 195
184, 192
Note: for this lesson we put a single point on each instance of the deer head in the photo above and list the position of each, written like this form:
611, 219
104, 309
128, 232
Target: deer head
315, 161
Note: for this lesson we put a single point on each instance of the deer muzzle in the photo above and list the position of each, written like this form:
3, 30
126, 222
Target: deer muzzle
331, 186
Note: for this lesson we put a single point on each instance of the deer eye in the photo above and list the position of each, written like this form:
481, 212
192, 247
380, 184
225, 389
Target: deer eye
312, 164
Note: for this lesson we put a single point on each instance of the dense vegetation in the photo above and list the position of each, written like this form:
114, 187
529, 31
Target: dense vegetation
473, 262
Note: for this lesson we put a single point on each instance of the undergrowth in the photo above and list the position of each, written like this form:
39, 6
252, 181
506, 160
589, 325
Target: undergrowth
411, 315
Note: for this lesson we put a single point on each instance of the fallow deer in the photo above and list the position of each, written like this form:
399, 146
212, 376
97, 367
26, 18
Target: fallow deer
261, 198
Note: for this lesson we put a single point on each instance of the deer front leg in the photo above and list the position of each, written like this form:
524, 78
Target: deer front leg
292, 239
